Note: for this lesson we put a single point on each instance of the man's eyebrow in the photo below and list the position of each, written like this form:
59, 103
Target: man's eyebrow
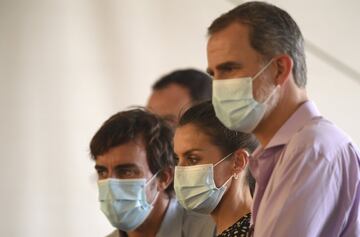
99, 167
224, 66
122, 166
229, 64
126, 166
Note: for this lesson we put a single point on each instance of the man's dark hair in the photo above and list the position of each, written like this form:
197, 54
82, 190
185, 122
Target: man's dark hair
196, 82
203, 116
138, 123
272, 32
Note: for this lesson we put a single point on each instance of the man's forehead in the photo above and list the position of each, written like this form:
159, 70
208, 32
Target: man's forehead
131, 152
233, 35
169, 100
230, 45
219, 44
172, 91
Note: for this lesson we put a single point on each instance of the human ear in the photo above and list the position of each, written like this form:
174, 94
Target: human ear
165, 178
284, 65
241, 157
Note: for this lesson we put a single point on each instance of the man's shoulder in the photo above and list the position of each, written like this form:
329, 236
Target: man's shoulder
320, 136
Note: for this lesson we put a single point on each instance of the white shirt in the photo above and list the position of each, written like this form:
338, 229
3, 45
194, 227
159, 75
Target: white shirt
181, 223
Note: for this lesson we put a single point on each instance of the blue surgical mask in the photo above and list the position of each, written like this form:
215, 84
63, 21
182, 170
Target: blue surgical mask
195, 187
124, 203
235, 105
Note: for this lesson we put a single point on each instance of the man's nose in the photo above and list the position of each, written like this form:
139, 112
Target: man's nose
111, 174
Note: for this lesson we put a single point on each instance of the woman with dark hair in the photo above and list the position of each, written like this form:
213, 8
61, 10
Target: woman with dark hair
212, 175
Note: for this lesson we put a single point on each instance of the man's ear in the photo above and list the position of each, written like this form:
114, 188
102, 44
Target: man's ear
284, 65
165, 178
241, 158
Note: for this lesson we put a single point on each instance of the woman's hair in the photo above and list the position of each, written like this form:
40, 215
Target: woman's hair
203, 116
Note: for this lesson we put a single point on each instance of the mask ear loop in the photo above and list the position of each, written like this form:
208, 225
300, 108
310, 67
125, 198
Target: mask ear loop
227, 181
223, 159
263, 69
157, 191
155, 198
152, 178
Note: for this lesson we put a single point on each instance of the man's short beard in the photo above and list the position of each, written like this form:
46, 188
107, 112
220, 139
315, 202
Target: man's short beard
265, 90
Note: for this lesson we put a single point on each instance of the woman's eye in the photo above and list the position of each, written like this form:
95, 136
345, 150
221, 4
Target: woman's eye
193, 160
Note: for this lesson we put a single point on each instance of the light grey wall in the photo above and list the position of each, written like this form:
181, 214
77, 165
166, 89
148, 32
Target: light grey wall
66, 66
330, 25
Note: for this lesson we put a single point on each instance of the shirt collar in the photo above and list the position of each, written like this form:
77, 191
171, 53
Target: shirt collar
297, 120
173, 220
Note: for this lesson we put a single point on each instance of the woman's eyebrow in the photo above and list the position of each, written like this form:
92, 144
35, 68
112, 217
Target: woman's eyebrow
188, 152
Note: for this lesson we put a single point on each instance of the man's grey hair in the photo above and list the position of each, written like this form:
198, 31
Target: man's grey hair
272, 32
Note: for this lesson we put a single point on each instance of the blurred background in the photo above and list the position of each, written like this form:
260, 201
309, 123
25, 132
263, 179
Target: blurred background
67, 65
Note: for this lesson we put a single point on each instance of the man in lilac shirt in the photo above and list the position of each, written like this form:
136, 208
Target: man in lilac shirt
307, 170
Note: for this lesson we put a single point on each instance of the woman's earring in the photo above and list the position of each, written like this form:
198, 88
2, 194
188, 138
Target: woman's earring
236, 175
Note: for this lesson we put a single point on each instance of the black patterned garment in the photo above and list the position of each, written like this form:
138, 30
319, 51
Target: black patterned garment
239, 229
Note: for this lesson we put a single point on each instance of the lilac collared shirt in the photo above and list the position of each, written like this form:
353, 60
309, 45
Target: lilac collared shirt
307, 180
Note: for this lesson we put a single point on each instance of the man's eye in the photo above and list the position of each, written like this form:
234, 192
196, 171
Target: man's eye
126, 174
228, 69
129, 173
101, 174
